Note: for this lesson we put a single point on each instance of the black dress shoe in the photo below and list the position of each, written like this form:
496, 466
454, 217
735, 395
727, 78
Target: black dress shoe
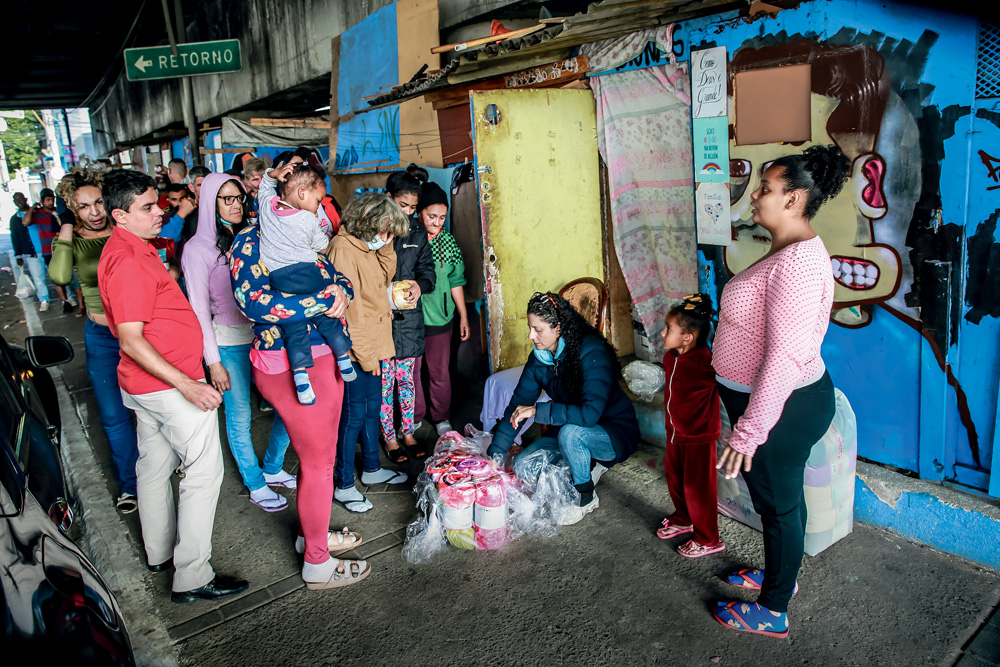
162, 567
220, 587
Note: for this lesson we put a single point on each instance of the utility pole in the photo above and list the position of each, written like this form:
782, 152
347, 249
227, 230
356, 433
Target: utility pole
187, 94
69, 139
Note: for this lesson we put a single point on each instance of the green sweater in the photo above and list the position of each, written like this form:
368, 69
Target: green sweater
439, 307
85, 254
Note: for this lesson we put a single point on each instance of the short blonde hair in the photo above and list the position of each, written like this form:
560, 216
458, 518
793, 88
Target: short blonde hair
374, 213
254, 166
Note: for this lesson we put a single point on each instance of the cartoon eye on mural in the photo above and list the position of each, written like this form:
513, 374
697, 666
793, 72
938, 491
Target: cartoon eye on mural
848, 101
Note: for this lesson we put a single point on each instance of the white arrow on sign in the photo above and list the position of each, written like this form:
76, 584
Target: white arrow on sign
141, 64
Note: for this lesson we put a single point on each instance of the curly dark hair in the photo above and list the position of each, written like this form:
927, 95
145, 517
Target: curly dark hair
555, 311
819, 170
694, 315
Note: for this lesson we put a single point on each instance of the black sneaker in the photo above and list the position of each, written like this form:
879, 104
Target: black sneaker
68, 307
218, 588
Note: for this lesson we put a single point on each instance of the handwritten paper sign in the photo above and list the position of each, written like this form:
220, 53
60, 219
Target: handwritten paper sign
708, 82
711, 149
711, 203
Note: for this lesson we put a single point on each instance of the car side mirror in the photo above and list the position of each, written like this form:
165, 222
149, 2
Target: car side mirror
45, 351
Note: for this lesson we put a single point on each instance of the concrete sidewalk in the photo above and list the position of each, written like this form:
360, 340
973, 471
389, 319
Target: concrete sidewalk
605, 591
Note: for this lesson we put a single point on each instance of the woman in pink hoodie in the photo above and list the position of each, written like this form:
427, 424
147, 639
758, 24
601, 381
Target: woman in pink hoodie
227, 336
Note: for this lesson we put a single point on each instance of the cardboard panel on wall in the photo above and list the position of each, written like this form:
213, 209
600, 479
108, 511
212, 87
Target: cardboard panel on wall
772, 105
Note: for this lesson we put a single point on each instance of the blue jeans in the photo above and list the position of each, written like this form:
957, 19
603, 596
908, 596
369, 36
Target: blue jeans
236, 361
359, 419
576, 445
103, 355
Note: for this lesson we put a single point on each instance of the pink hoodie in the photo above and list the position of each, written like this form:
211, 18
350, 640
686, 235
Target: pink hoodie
206, 272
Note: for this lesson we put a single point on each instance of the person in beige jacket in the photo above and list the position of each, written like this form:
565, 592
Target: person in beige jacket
362, 251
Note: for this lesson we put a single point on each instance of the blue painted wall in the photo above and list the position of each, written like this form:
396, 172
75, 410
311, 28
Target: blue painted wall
939, 207
369, 65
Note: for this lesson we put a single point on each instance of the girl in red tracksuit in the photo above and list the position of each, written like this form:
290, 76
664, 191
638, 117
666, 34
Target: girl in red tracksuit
693, 427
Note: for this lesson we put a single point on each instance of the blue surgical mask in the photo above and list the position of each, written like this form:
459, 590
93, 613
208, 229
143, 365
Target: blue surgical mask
223, 221
376, 243
546, 356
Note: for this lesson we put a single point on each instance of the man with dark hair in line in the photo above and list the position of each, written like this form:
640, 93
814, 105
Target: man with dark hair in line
163, 382
181, 209
43, 226
197, 174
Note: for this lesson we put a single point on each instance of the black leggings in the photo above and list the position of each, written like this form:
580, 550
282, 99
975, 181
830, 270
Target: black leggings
776, 479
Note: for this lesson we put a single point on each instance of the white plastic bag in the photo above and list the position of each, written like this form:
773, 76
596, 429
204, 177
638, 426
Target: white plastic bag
644, 379
25, 288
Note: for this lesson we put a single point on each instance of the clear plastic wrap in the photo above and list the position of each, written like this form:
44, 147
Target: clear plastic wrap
644, 379
471, 501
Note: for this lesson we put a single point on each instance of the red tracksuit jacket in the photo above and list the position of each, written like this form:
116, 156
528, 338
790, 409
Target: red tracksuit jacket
691, 397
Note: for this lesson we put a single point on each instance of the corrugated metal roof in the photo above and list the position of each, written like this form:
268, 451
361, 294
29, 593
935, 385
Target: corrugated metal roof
602, 20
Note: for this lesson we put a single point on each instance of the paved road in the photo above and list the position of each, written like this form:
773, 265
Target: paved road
606, 591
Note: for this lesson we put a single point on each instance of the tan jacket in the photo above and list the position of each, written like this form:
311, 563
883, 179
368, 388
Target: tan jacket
369, 317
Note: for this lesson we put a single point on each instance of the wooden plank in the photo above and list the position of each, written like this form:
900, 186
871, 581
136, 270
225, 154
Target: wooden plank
482, 41
417, 30
334, 110
238, 149
289, 122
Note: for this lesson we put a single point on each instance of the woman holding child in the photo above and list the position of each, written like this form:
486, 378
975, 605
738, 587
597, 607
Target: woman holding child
227, 335
312, 428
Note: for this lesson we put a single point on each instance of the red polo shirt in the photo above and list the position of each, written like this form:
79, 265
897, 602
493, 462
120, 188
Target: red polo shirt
135, 287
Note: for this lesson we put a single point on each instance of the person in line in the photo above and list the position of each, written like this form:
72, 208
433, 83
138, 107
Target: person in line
772, 379
415, 265
290, 239
197, 175
440, 305
162, 381
79, 246
362, 251
312, 428
596, 423
227, 334
329, 211
24, 251
177, 171
693, 426
43, 226
253, 172
180, 213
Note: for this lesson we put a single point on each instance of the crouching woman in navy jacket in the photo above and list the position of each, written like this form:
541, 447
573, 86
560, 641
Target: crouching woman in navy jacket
594, 421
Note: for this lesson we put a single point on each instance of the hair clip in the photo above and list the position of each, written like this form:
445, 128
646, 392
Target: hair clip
552, 301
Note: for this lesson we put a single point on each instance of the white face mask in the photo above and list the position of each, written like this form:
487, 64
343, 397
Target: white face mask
376, 243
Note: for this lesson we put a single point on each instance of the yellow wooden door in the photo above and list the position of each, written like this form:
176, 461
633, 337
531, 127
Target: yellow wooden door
538, 179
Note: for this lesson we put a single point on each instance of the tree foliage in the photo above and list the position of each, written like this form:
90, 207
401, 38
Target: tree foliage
20, 142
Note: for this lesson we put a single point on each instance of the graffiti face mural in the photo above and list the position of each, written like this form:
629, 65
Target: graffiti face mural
865, 270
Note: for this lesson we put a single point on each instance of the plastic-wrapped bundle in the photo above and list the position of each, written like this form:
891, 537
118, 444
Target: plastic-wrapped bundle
467, 500
644, 379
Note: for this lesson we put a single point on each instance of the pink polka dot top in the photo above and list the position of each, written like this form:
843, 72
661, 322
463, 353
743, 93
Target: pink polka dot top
772, 319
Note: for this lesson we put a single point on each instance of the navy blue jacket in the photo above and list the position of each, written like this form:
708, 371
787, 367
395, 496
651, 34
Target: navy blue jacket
602, 403
20, 239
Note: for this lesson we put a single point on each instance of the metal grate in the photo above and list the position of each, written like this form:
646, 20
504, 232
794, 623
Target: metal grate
988, 61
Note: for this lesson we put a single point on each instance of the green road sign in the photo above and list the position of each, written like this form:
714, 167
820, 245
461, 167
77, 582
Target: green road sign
193, 59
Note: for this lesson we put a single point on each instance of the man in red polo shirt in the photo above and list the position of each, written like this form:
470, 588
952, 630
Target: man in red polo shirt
162, 381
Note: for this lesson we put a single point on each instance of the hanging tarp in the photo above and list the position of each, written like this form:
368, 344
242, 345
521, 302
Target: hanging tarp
237, 132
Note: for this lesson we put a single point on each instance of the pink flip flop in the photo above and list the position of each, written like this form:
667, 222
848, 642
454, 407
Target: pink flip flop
692, 549
669, 530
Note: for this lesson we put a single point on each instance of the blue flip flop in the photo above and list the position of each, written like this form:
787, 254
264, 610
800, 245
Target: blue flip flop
751, 617
751, 578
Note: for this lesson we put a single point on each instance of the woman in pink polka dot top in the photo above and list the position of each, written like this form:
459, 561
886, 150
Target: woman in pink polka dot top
772, 380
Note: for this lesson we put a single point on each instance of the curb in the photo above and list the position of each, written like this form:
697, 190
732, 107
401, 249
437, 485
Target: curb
106, 538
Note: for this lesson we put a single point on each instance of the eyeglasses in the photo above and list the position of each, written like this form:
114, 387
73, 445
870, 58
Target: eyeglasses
229, 200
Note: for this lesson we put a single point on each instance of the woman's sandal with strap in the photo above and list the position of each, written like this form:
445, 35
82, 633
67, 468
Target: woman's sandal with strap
347, 572
751, 578
669, 530
335, 541
397, 455
751, 617
692, 549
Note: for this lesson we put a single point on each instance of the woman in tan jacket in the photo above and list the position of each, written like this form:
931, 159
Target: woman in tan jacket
362, 251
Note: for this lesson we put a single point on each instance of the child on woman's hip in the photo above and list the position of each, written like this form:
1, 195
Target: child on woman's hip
693, 426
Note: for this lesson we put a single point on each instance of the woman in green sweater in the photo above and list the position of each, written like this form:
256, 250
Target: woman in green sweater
79, 246
440, 306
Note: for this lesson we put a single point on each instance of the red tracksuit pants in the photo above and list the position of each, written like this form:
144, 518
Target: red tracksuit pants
692, 482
